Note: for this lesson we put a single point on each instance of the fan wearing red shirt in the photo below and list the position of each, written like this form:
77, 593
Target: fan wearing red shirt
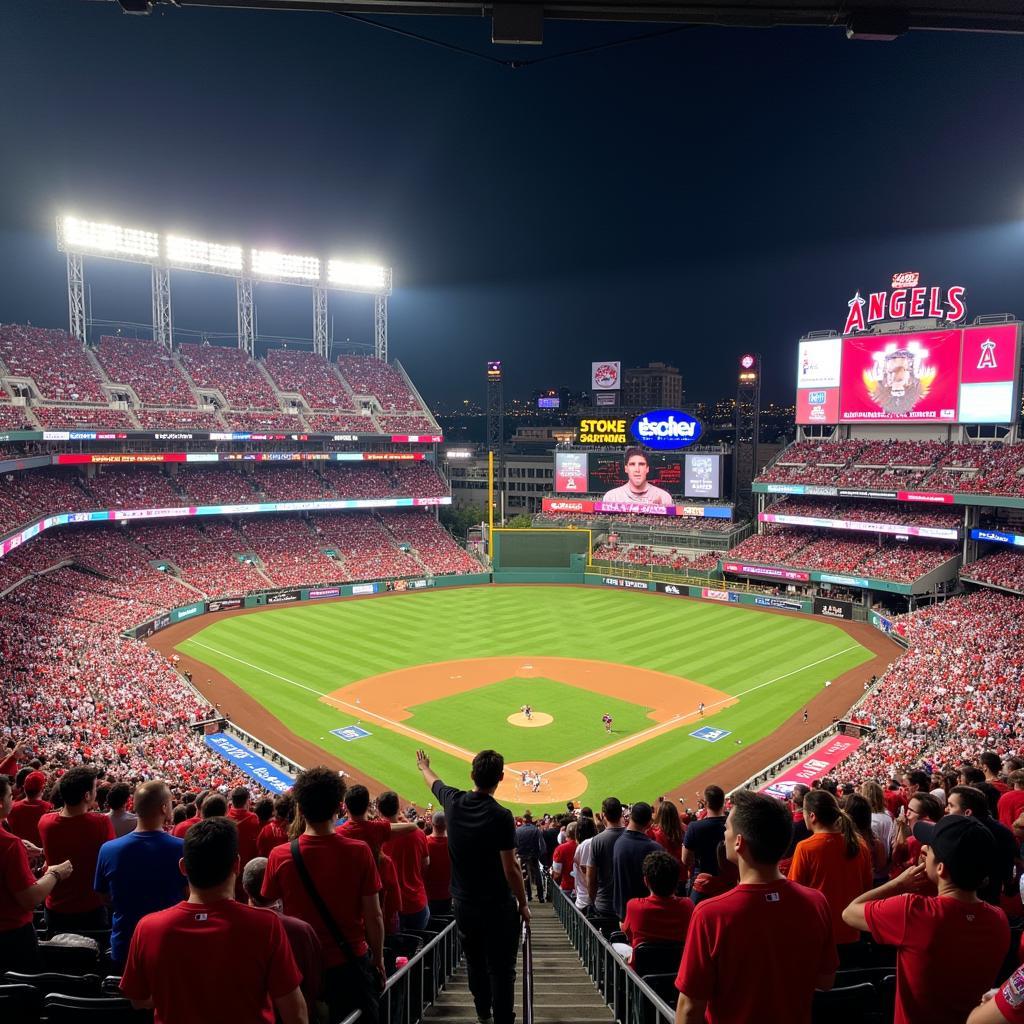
19, 894
1006, 1005
376, 832
9, 758
211, 937
76, 834
906, 850
242, 814
23, 820
181, 829
992, 765
409, 852
438, 875
275, 832
662, 916
1011, 803
342, 872
561, 860
758, 952
949, 946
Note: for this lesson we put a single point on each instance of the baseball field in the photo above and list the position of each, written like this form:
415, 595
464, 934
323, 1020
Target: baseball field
366, 682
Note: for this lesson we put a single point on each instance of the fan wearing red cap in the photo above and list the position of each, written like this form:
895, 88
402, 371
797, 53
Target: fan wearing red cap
948, 946
23, 820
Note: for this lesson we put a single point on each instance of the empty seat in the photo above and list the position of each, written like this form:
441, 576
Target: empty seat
19, 1003
59, 1009
52, 981
656, 957
850, 1005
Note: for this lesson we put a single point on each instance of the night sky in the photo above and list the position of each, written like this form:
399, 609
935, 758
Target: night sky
685, 198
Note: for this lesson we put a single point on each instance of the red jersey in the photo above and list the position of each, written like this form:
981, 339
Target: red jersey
182, 827
408, 850
23, 820
438, 875
374, 833
564, 854
948, 951
657, 919
328, 859
15, 877
274, 833
208, 943
730, 938
391, 896
1010, 998
77, 839
248, 830
820, 862
1010, 807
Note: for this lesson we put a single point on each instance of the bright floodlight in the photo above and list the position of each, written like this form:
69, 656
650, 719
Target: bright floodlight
282, 264
196, 253
110, 238
343, 274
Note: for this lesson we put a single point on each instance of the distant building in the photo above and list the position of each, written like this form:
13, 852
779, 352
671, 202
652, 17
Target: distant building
655, 386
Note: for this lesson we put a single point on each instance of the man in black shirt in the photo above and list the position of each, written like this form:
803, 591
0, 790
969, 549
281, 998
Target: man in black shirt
628, 859
487, 883
700, 843
600, 879
528, 849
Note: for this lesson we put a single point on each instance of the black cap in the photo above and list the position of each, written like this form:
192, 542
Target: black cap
963, 844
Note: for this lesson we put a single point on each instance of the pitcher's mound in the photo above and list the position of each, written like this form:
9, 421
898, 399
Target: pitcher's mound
539, 718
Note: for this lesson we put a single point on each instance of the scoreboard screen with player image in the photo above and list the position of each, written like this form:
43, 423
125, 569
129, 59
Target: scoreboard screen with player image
651, 476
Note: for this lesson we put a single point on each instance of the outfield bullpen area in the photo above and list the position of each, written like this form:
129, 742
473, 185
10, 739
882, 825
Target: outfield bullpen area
360, 683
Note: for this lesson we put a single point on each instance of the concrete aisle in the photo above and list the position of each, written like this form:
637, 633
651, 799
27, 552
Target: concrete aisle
562, 990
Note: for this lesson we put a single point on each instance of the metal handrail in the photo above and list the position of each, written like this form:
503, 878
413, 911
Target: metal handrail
415, 985
630, 998
527, 975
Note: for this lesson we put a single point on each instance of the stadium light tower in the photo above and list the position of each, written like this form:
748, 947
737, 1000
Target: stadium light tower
163, 253
748, 427
496, 429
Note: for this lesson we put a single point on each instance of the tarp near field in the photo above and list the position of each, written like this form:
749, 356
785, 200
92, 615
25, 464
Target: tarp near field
815, 766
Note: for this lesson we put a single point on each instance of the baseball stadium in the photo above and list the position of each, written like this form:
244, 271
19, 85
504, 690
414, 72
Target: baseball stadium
319, 707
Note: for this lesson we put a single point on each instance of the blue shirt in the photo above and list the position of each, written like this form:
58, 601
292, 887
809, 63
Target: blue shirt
628, 868
140, 873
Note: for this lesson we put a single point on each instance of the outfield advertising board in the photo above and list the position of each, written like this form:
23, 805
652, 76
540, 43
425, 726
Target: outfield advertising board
772, 572
833, 609
259, 768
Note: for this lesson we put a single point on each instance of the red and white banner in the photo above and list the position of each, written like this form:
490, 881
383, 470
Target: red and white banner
816, 766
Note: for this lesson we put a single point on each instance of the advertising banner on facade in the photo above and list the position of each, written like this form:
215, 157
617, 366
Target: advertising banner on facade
816, 766
269, 775
833, 609
571, 473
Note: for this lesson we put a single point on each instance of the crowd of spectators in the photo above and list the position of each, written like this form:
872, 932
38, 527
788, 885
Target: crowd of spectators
363, 545
178, 419
939, 466
148, 368
1002, 569
289, 550
13, 417
375, 379
82, 416
341, 423
432, 543
956, 689
215, 485
896, 513
231, 372
409, 424
830, 551
309, 375
662, 524
53, 359
262, 422
644, 554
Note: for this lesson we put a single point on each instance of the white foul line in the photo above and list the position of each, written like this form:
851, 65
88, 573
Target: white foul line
672, 722
355, 709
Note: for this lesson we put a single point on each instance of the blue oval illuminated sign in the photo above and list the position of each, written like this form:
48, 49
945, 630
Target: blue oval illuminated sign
666, 429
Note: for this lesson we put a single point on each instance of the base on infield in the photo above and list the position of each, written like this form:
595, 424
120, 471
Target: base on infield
538, 719
557, 784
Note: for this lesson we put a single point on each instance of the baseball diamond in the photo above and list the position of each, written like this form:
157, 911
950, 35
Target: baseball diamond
451, 669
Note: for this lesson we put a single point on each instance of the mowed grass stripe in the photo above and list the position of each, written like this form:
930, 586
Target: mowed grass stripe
327, 646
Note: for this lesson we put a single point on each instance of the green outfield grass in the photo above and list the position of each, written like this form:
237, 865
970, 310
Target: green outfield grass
288, 657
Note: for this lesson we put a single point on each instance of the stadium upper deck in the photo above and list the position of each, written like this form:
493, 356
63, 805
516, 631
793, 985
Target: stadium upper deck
135, 384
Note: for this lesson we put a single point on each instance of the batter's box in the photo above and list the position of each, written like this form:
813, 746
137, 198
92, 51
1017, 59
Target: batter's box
349, 733
710, 735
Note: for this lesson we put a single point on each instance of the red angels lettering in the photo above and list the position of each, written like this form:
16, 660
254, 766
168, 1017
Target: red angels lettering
934, 305
917, 301
876, 306
898, 304
855, 318
955, 300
